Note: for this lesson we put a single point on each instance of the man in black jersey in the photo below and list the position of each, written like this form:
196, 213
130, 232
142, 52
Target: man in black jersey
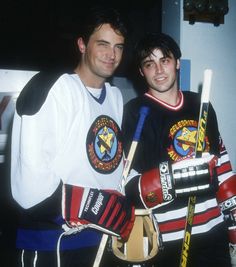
167, 171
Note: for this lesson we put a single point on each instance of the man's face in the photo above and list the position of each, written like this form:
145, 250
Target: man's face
160, 72
104, 50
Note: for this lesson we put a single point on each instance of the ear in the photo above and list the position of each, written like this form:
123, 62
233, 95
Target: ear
141, 72
81, 45
178, 64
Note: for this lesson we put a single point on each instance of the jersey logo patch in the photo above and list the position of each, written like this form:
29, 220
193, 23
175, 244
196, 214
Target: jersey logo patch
104, 146
184, 135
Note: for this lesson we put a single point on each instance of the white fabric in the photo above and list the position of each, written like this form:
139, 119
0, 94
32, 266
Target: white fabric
50, 145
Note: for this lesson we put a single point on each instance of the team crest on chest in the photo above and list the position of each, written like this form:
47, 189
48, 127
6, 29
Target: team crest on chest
183, 136
104, 146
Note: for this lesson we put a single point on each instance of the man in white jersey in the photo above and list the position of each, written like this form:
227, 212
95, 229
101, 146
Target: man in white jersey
67, 154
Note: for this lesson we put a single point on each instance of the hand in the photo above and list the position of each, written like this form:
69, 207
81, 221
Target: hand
187, 177
226, 197
232, 245
232, 252
108, 211
195, 175
232, 226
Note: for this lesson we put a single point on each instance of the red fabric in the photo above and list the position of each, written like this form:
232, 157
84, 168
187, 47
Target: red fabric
121, 218
115, 211
227, 189
126, 229
232, 235
151, 190
224, 168
77, 194
179, 224
108, 208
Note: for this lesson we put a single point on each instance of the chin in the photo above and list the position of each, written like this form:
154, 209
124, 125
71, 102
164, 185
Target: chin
107, 74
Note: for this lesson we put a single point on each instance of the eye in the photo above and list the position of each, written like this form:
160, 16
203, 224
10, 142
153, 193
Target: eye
120, 47
103, 43
165, 60
148, 64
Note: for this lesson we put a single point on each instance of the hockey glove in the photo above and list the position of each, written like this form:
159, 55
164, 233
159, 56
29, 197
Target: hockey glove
232, 237
227, 201
107, 211
187, 177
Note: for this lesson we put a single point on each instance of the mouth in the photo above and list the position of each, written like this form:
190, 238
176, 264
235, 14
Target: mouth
160, 79
109, 65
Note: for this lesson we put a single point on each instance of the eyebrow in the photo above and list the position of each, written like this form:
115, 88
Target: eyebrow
107, 42
147, 61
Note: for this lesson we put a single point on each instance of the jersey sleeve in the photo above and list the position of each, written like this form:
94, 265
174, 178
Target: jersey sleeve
226, 194
34, 146
224, 169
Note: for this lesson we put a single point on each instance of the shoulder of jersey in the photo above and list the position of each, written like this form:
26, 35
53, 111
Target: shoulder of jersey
192, 97
35, 92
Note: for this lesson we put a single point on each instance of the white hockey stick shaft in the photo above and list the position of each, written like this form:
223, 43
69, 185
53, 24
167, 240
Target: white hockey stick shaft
202, 122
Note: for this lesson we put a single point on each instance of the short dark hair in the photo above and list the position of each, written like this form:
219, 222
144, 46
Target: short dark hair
151, 41
98, 15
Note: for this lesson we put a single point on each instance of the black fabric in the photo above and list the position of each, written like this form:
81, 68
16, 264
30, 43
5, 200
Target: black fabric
35, 92
73, 258
154, 139
132, 192
45, 215
208, 250
159, 142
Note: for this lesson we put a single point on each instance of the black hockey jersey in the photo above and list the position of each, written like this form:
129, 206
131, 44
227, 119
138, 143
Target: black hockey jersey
169, 133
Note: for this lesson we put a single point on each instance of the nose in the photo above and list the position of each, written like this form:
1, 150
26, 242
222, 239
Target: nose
112, 52
159, 68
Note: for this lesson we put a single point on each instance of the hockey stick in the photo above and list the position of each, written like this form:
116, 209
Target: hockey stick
143, 112
199, 147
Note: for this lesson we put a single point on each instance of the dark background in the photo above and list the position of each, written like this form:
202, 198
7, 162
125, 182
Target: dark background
38, 35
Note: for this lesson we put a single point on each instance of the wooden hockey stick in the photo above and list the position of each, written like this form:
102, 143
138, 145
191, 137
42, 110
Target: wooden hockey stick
143, 112
199, 147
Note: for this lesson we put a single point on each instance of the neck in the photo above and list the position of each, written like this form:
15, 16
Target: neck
171, 97
88, 78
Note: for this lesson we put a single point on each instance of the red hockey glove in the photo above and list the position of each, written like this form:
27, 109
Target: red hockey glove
107, 211
187, 177
227, 201
232, 237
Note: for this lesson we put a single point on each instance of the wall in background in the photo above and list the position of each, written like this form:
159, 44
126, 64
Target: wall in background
208, 46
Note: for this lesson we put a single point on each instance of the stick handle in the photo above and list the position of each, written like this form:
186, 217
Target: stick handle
143, 113
199, 147
203, 114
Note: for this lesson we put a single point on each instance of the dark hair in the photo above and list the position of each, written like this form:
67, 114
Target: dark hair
151, 41
99, 15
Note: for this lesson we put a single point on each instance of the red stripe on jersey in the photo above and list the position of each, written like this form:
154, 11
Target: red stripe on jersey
225, 167
197, 220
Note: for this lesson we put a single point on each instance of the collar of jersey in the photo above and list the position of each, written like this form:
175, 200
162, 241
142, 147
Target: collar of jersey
171, 107
102, 96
